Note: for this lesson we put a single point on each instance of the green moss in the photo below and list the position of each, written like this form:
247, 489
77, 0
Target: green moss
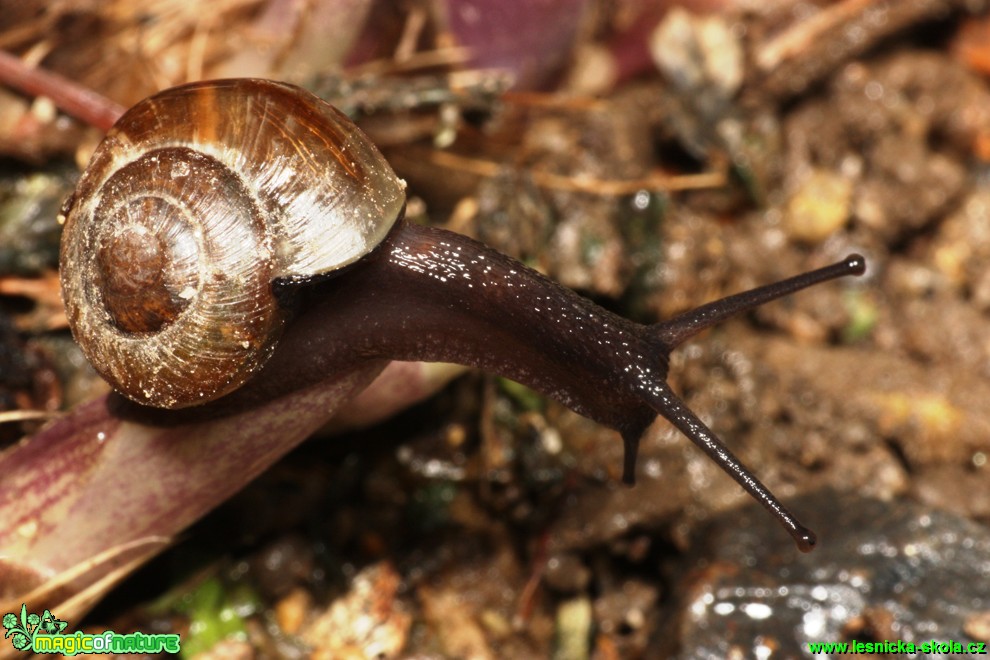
863, 316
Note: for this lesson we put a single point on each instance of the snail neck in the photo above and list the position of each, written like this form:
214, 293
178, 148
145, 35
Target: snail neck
431, 295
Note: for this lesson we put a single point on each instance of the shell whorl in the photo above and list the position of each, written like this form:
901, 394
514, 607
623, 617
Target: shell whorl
196, 200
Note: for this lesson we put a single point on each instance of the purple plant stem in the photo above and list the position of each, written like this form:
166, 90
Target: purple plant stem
90, 482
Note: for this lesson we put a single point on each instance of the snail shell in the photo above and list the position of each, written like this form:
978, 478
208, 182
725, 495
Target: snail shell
194, 203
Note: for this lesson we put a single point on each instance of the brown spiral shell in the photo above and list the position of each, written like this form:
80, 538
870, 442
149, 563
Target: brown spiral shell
196, 200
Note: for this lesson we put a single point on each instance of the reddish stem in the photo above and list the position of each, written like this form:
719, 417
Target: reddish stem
72, 98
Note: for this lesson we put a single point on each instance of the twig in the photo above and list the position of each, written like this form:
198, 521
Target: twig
797, 38
605, 187
72, 98
813, 48
25, 415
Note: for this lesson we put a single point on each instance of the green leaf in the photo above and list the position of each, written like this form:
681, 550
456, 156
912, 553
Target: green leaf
216, 611
523, 397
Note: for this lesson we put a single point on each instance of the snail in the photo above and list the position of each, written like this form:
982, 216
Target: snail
215, 213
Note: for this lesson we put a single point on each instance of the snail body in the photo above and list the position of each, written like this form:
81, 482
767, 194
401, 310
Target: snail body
244, 203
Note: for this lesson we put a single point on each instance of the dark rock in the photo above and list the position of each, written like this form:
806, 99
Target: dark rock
883, 571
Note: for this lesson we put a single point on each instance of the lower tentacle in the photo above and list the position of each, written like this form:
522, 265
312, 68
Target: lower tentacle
662, 399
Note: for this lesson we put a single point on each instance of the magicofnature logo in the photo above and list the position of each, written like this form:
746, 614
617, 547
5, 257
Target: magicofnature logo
46, 634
